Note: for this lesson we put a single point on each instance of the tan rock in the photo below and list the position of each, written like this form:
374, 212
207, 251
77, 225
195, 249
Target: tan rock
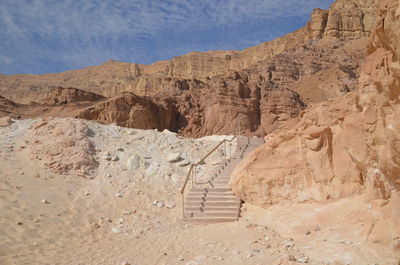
132, 111
60, 95
5, 121
341, 148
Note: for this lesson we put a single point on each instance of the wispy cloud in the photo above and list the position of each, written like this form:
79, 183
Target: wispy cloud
81, 32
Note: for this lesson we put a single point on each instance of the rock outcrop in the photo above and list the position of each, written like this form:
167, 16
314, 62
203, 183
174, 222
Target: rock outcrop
340, 148
130, 110
62, 96
345, 19
7, 107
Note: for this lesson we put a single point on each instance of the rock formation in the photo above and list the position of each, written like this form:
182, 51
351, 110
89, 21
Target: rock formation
341, 148
60, 95
130, 110
253, 91
345, 19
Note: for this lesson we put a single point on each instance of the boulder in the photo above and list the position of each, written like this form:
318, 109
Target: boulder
5, 121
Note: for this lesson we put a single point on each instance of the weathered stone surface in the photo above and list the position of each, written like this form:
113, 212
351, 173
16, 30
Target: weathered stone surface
341, 148
130, 110
253, 91
345, 19
133, 162
5, 121
60, 95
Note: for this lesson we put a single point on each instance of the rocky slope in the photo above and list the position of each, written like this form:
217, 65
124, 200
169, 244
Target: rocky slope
112, 196
346, 147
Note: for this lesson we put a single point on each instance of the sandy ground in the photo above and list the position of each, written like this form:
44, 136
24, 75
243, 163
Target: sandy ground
109, 215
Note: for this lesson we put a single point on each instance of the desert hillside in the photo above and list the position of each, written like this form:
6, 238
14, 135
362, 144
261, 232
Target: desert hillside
345, 149
255, 89
161, 164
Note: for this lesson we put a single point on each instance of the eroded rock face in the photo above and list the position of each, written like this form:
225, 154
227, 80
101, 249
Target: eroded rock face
345, 19
60, 95
220, 92
130, 110
341, 148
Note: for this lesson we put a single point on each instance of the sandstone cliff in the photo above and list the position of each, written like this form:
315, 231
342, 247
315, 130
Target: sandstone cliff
341, 148
344, 20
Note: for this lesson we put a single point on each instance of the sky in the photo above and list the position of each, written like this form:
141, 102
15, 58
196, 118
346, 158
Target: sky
49, 36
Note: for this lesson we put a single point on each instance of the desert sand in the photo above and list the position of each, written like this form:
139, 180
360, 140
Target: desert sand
112, 214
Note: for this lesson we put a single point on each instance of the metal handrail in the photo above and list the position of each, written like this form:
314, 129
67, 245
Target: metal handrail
192, 171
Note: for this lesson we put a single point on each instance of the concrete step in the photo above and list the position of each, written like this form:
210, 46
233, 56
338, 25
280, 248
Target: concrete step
215, 214
214, 194
212, 208
213, 189
209, 220
208, 204
212, 199
210, 194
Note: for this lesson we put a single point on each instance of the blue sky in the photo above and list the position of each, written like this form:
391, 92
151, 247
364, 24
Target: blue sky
48, 36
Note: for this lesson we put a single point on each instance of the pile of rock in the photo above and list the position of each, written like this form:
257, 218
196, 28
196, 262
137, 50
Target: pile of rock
63, 145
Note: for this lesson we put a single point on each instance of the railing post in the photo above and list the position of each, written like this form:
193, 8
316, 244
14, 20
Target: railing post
191, 174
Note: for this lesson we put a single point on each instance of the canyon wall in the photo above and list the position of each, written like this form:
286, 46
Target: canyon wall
346, 147
344, 20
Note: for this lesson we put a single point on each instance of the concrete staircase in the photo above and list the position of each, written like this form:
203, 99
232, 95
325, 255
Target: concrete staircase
214, 201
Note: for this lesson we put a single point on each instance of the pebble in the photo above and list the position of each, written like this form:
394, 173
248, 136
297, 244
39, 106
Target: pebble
317, 228
308, 232
45, 201
107, 156
173, 157
125, 263
121, 220
133, 162
126, 212
108, 176
115, 230
160, 204
87, 193
115, 158
303, 260
288, 243
170, 205
120, 149
119, 195
184, 163
20, 223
